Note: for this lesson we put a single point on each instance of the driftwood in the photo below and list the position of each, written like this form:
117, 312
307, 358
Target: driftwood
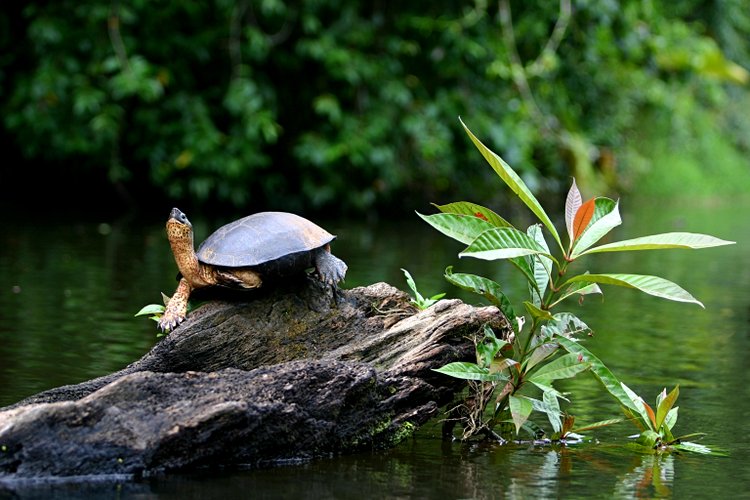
292, 371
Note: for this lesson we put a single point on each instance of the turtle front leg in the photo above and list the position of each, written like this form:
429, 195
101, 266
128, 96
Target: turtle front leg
176, 307
330, 268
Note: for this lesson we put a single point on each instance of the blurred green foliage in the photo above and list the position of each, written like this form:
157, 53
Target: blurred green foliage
354, 105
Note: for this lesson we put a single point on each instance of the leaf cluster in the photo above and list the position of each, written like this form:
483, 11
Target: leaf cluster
549, 349
418, 300
323, 103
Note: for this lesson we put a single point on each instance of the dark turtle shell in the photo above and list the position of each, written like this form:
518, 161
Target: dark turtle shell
262, 238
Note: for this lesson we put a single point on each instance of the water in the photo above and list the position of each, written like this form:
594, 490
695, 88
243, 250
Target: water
69, 289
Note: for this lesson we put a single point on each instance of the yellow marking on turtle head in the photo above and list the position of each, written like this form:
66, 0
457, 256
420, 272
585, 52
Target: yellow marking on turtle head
177, 231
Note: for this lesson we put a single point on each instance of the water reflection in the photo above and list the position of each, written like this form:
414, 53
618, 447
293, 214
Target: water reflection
68, 293
424, 469
653, 478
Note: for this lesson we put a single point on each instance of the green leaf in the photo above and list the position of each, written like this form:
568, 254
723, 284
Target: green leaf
566, 325
469, 371
652, 285
489, 346
151, 309
520, 409
525, 266
671, 418
692, 435
474, 210
503, 243
483, 286
514, 182
519, 262
580, 288
606, 217
500, 364
463, 228
553, 410
532, 429
536, 312
412, 285
699, 448
664, 406
541, 266
597, 425
548, 388
640, 407
649, 439
661, 241
633, 418
539, 354
566, 366
418, 299
599, 370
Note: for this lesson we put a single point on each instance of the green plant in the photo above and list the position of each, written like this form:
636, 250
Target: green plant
194, 101
418, 300
548, 349
656, 425
155, 311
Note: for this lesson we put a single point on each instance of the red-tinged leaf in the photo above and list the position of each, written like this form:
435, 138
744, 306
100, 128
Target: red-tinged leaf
568, 421
572, 204
583, 217
651, 414
507, 389
481, 216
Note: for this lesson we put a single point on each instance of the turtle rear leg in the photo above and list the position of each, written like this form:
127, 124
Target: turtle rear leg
238, 278
330, 268
176, 307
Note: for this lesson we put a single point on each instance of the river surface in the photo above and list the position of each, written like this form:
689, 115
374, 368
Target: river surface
69, 288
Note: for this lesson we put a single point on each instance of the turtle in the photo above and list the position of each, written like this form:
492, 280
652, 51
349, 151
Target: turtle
245, 253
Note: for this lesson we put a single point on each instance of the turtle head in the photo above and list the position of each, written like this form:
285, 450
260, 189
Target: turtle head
179, 228
179, 217
180, 235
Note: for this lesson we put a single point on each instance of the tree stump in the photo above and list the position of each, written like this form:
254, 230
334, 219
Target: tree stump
295, 370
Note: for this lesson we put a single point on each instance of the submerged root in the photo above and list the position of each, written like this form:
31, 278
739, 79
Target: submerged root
470, 413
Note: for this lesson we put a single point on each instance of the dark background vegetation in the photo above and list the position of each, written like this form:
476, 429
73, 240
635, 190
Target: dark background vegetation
352, 107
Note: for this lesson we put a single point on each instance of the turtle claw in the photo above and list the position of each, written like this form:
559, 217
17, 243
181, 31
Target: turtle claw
330, 268
176, 307
169, 322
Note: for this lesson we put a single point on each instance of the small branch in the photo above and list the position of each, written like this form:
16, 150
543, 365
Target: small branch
558, 32
113, 28
239, 11
518, 72
235, 38
283, 33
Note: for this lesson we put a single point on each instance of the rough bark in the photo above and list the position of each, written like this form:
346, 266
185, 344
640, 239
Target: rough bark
293, 371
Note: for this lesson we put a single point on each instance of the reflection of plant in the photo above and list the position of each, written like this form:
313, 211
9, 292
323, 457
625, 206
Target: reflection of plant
418, 300
653, 477
548, 350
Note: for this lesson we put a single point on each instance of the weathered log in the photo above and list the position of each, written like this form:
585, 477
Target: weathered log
292, 371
